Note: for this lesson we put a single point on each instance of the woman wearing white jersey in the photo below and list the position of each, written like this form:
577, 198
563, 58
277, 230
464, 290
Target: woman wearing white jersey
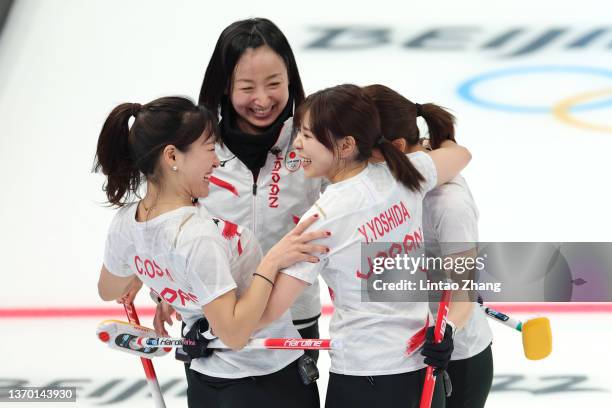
201, 265
450, 225
338, 128
253, 82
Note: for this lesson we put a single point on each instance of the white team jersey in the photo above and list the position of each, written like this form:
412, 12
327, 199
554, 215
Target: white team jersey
270, 207
189, 259
450, 225
375, 335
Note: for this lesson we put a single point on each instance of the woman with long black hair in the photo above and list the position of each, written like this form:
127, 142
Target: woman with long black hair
252, 82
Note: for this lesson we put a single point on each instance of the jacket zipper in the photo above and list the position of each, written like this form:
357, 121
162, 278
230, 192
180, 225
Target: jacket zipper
255, 229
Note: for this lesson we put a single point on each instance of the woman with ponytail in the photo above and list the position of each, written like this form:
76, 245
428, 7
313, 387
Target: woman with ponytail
338, 129
450, 226
208, 269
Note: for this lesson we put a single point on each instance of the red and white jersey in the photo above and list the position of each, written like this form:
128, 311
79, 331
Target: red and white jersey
189, 259
270, 206
450, 225
378, 338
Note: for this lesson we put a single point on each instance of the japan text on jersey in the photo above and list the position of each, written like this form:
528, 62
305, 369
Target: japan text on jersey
269, 205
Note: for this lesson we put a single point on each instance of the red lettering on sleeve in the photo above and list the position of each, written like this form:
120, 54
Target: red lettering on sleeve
138, 263
149, 268
169, 295
184, 297
158, 270
362, 231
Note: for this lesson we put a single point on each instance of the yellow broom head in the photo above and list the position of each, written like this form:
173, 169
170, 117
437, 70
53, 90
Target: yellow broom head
537, 338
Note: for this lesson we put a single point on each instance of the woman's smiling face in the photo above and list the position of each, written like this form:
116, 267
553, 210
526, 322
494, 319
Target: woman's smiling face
317, 160
259, 89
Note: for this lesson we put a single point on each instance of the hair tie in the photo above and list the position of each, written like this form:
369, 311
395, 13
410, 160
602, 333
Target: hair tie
136, 108
419, 109
380, 140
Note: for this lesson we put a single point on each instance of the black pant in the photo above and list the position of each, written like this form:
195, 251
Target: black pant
472, 379
311, 332
388, 391
282, 389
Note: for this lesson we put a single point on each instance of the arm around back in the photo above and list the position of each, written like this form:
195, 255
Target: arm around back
449, 160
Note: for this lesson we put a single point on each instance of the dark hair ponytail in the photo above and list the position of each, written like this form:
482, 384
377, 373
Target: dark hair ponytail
125, 155
440, 123
347, 110
401, 167
114, 158
398, 117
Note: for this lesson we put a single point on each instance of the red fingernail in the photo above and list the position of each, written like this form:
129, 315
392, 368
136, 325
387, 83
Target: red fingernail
326, 249
316, 215
328, 233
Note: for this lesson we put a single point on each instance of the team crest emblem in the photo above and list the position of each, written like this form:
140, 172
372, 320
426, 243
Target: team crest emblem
292, 161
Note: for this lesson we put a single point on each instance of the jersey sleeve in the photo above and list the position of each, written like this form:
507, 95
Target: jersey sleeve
208, 269
457, 229
425, 165
114, 254
307, 271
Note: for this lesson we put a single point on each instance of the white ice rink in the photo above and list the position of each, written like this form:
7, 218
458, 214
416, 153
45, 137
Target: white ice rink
576, 374
529, 81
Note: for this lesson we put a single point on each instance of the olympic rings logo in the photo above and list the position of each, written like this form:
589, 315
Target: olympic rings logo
564, 110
